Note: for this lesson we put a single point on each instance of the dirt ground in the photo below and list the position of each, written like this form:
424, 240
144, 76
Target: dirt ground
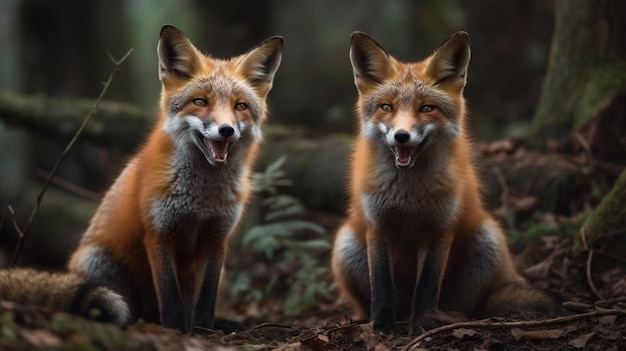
589, 322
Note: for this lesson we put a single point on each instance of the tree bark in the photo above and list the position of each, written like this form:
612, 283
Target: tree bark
606, 227
586, 74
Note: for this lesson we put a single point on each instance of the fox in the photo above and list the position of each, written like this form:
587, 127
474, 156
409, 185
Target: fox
159, 236
156, 245
417, 237
64, 291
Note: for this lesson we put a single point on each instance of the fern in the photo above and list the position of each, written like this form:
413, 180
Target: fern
278, 238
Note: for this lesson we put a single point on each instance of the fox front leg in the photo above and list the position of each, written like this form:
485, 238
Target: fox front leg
382, 302
209, 278
428, 286
172, 310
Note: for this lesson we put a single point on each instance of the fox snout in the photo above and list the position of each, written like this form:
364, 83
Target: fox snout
226, 130
406, 145
215, 140
402, 136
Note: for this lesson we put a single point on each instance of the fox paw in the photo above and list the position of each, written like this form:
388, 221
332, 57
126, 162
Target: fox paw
383, 328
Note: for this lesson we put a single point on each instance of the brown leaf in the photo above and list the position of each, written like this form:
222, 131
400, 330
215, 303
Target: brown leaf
317, 343
542, 334
463, 332
524, 204
607, 320
446, 317
581, 341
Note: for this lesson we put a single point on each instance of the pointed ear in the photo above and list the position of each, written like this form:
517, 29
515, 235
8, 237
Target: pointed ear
178, 58
448, 64
371, 64
259, 64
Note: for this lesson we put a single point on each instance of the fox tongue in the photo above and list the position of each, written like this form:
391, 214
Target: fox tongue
403, 155
219, 149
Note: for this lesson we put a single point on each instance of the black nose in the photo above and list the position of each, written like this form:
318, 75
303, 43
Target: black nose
402, 136
226, 130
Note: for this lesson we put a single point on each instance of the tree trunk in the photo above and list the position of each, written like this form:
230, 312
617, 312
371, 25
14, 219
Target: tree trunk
605, 229
586, 74
64, 47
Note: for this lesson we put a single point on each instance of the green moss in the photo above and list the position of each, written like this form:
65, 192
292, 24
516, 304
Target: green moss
608, 219
596, 89
579, 99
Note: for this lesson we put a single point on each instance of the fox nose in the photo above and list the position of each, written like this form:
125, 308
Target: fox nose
402, 136
226, 130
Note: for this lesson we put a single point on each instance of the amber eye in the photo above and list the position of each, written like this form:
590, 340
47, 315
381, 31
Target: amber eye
240, 106
201, 102
427, 108
386, 108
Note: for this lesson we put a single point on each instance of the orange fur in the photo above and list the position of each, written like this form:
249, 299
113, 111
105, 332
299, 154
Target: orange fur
417, 236
159, 236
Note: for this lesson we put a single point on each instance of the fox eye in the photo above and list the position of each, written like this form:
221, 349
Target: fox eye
386, 108
240, 106
201, 102
427, 108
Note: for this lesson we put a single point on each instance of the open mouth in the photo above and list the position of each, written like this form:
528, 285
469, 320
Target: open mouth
216, 149
406, 155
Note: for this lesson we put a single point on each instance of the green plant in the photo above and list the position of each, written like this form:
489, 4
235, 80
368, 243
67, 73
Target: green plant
283, 235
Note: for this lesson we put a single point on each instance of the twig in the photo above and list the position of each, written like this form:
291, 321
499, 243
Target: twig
490, 324
31, 219
17, 227
592, 286
71, 187
611, 301
585, 145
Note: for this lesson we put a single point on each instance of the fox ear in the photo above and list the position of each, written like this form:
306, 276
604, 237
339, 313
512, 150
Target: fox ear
448, 64
177, 55
259, 64
370, 62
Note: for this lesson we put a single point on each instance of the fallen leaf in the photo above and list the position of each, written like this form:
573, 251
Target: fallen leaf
463, 332
581, 341
317, 342
607, 320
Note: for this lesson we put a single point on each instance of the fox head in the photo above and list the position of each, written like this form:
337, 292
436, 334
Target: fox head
410, 107
215, 105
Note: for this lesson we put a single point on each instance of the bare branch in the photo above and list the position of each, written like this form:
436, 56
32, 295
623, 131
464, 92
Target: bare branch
491, 324
31, 219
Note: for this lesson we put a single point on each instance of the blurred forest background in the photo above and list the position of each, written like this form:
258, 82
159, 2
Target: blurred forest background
59, 50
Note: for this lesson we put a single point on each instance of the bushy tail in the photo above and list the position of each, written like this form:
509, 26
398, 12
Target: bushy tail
519, 297
67, 292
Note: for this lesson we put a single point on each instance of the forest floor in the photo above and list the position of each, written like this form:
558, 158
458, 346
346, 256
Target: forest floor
589, 322
588, 282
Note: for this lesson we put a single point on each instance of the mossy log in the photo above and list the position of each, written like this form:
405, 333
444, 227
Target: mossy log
116, 124
316, 163
605, 229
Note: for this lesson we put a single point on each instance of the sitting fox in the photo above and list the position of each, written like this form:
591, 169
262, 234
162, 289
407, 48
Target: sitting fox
159, 236
417, 237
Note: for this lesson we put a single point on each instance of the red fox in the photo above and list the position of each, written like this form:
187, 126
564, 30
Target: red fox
159, 236
417, 236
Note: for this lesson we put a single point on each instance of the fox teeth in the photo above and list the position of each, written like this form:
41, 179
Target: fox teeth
404, 155
223, 158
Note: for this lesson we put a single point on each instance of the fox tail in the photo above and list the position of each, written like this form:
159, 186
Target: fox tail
68, 292
520, 297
